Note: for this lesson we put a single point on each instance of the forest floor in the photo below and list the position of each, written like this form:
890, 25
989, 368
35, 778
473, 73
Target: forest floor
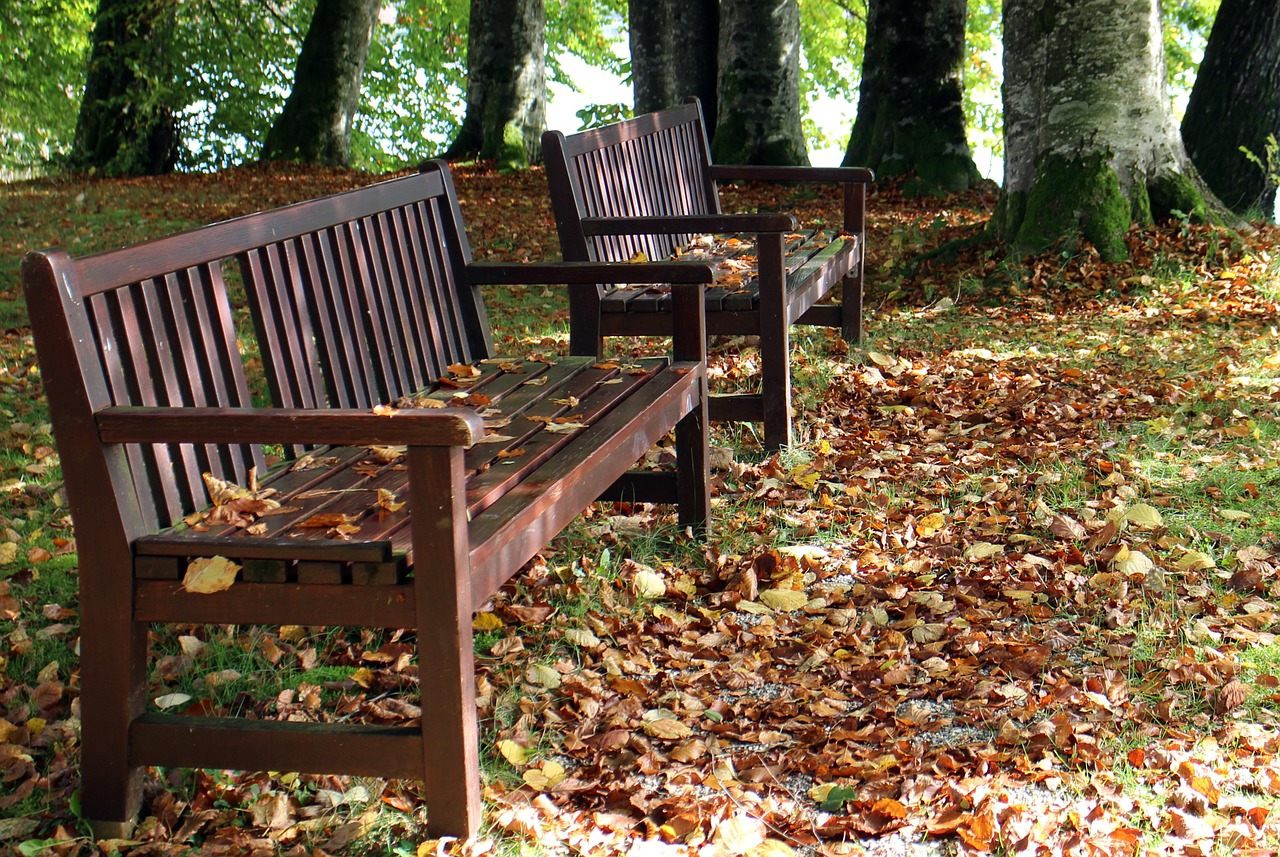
1014, 590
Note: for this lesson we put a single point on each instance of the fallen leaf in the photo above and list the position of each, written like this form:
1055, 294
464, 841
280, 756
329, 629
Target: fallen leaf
207, 575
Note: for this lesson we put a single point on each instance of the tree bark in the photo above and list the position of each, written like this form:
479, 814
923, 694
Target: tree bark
1235, 104
125, 125
911, 102
1090, 142
758, 119
506, 83
653, 74
674, 44
315, 124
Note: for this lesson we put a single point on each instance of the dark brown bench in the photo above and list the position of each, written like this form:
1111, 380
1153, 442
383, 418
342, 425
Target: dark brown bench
647, 185
366, 309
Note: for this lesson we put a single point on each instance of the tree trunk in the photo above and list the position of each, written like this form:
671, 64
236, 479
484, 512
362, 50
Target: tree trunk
911, 103
125, 126
1235, 104
653, 74
506, 83
758, 116
695, 25
673, 54
315, 125
1090, 142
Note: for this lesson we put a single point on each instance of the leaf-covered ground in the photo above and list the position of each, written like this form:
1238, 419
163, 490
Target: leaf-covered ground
1013, 591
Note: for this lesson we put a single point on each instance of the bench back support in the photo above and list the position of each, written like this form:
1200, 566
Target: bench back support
149, 337
658, 164
394, 265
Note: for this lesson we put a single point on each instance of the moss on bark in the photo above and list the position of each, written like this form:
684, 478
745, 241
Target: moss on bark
1075, 197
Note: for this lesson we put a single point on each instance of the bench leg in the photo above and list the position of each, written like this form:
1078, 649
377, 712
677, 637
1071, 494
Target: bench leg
775, 343
446, 667
855, 223
693, 439
851, 307
113, 659
586, 338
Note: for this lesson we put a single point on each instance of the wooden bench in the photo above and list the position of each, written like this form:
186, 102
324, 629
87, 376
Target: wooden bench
647, 185
365, 307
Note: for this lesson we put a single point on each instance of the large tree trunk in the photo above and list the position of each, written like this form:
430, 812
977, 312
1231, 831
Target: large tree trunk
911, 103
1235, 104
125, 126
1090, 142
506, 83
758, 119
653, 74
315, 125
674, 44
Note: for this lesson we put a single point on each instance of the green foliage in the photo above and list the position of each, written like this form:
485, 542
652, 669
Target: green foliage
43, 47
983, 108
833, 35
598, 115
583, 29
1186, 27
414, 85
238, 57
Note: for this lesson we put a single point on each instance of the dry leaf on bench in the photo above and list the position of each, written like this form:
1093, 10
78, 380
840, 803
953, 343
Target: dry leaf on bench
207, 575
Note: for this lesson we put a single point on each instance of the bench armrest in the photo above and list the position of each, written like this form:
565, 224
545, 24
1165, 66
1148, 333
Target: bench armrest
560, 273
692, 223
744, 172
327, 426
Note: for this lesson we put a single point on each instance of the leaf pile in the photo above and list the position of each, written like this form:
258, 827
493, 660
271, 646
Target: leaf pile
1014, 592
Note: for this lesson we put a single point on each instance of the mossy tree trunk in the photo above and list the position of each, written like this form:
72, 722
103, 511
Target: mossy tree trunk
758, 119
506, 83
911, 101
125, 125
315, 125
1090, 142
674, 45
1235, 104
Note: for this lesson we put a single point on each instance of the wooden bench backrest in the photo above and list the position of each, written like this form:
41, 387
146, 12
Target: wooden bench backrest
653, 165
355, 300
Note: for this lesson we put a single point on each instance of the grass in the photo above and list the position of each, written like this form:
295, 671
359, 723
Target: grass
1196, 434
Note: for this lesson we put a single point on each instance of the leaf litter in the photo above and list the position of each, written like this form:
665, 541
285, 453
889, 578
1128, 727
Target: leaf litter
918, 640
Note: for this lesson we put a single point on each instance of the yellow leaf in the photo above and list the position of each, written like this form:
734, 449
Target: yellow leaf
8, 553
783, 600
543, 676
982, 550
363, 677
1225, 514
207, 575
166, 700
818, 793
1143, 515
1133, 563
660, 723
486, 621
772, 848
464, 370
387, 501
638, 257
1195, 561
581, 637
930, 524
386, 454
739, 834
548, 776
513, 752
648, 583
